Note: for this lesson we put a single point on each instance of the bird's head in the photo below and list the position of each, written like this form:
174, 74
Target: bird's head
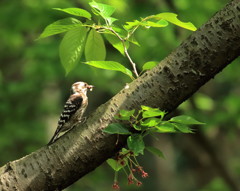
79, 87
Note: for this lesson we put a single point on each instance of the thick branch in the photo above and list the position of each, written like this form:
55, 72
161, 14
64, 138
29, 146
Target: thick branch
176, 78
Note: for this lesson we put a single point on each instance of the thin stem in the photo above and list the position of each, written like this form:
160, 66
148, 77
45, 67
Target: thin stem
125, 50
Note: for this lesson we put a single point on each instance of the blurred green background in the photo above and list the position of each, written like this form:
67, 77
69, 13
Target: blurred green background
33, 89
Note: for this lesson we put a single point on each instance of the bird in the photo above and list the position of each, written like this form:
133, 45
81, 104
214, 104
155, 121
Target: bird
73, 110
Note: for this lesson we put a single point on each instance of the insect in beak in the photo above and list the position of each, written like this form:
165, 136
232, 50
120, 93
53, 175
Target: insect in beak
90, 87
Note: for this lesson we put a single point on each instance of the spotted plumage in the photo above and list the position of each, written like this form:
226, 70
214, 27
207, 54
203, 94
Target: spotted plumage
73, 109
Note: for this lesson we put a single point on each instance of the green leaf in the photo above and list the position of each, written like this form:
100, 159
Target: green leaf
172, 18
104, 10
110, 65
136, 127
153, 112
125, 115
76, 12
149, 65
133, 40
161, 23
155, 151
115, 42
130, 25
60, 26
95, 47
151, 122
71, 48
110, 20
182, 128
186, 120
116, 128
165, 127
136, 144
145, 108
115, 165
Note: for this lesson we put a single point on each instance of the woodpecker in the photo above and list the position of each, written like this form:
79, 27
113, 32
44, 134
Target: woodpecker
73, 109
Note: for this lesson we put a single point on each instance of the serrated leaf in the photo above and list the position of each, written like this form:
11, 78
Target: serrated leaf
136, 144
115, 42
172, 18
110, 65
71, 48
116, 128
114, 164
149, 65
150, 122
155, 151
182, 128
76, 12
95, 47
186, 120
60, 26
166, 127
104, 10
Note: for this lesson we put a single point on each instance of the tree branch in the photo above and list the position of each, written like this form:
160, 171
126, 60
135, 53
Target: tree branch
198, 59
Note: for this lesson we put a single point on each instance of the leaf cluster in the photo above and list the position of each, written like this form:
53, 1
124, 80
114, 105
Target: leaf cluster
148, 121
83, 35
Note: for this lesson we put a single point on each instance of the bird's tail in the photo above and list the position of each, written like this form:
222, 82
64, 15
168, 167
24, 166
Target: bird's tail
55, 136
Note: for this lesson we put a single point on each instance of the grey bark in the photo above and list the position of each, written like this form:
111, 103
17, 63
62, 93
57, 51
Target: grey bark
198, 59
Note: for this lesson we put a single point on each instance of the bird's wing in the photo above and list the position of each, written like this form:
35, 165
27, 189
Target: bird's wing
70, 108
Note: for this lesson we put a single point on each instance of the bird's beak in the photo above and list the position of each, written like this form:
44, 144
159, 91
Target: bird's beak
90, 87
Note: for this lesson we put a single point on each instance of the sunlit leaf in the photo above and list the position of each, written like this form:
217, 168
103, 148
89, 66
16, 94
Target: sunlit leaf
76, 12
166, 127
145, 108
136, 144
95, 47
131, 25
161, 23
155, 151
110, 65
187, 120
115, 42
153, 112
104, 10
172, 18
116, 128
149, 65
71, 47
110, 20
60, 26
151, 122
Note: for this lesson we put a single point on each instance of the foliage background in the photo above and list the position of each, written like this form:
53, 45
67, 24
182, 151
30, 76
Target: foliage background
33, 89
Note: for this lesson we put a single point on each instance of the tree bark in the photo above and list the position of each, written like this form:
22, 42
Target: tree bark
198, 59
